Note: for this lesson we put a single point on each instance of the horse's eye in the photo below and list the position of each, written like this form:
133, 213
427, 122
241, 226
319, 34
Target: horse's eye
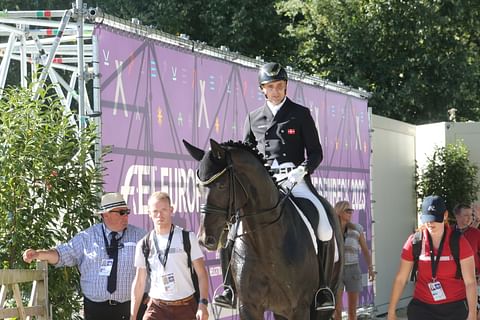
221, 186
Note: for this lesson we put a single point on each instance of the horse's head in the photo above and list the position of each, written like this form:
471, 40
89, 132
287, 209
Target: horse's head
220, 172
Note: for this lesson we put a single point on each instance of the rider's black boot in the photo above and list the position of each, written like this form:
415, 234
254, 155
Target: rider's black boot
227, 298
324, 298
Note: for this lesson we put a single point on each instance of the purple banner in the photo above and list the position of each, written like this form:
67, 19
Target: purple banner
153, 95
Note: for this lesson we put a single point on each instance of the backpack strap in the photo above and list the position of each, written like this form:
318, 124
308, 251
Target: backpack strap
417, 248
455, 250
187, 248
146, 250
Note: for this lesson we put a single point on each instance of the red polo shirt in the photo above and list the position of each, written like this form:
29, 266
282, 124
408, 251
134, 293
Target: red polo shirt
454, 288
473, 237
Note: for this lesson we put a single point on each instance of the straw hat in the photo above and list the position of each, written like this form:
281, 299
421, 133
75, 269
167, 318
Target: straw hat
111, 201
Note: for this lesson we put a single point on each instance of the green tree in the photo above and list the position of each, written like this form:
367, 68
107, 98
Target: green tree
48, 186
419, 58
450, 174
250, 27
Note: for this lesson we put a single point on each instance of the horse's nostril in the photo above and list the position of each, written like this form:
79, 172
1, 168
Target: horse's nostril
210, 241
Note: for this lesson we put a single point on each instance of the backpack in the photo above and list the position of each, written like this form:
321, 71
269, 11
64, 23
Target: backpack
454, 249
186, 247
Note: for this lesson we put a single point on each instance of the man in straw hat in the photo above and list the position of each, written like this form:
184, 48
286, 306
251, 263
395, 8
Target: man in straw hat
104, 254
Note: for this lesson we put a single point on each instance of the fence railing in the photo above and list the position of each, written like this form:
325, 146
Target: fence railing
37, 307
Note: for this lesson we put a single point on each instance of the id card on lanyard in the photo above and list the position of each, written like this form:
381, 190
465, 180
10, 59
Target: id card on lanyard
435, 286
167, 280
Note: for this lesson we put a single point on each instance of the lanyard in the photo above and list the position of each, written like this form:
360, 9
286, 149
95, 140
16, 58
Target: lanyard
163, 260
107, 246
435, 260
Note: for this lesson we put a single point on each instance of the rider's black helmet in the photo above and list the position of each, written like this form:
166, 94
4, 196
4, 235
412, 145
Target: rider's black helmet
270, 72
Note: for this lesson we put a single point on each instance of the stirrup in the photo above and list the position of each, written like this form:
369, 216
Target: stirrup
224, 304
327, 307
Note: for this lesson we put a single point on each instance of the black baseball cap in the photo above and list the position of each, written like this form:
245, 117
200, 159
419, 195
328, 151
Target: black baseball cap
433, 209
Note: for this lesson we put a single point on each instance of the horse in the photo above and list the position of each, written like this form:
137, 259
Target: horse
274, 263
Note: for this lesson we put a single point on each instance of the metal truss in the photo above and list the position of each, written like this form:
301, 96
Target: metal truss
60, 49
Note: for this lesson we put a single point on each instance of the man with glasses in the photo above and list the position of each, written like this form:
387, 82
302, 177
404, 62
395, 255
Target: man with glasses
104, 255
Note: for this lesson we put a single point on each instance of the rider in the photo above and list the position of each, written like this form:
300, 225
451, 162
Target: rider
284, 132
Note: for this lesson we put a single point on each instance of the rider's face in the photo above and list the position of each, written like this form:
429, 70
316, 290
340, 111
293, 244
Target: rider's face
275, 91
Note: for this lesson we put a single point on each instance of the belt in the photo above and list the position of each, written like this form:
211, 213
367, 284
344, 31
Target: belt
282, 170
181, 302
107, 302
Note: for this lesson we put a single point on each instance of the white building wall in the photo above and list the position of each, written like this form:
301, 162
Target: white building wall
393, 206
396, 145
428, 137
469, 133
440, 134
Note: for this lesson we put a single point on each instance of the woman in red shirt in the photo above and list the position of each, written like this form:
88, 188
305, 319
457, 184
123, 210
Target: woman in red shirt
438, 294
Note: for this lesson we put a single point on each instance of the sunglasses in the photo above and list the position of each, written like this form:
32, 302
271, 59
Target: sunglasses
122, 212
348, 210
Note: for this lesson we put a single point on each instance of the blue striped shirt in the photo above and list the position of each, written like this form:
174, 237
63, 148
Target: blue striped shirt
87, 250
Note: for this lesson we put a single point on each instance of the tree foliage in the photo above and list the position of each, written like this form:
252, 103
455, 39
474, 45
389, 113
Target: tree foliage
419, 58
450, 174
248, 26
48, 188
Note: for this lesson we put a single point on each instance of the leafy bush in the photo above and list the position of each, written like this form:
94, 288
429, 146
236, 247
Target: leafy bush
450, 174
49, 187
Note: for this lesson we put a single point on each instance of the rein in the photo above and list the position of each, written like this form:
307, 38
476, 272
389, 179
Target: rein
232, 211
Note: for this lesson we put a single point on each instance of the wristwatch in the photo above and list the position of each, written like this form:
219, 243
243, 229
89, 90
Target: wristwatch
203, 301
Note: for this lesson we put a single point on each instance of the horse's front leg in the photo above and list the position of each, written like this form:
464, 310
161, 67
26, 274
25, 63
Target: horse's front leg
250, 312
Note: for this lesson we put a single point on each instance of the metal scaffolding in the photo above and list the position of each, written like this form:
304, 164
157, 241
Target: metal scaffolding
61, 42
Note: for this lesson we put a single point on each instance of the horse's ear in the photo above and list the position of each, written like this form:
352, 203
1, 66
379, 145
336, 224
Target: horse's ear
196, 153
217, 150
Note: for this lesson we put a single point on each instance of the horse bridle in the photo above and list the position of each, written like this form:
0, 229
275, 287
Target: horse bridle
232, 212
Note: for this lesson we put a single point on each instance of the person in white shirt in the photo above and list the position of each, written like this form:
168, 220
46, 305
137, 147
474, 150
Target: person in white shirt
171, 287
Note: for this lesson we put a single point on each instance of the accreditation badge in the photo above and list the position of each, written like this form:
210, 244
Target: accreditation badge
437, 291
106, 267
168, 283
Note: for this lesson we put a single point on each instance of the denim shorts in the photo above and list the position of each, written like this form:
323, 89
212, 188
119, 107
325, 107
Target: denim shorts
352, 278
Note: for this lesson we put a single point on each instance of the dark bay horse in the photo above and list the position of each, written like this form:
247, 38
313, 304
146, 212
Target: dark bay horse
274, 263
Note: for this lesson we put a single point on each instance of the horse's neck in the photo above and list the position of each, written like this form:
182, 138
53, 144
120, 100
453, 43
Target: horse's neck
263, 216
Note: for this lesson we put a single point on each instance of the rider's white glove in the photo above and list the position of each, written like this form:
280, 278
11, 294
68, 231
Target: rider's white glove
296, 175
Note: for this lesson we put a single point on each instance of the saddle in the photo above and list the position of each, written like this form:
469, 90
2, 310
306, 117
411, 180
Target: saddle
309, 214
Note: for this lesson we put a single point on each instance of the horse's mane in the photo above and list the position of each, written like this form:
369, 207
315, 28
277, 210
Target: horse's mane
252, 149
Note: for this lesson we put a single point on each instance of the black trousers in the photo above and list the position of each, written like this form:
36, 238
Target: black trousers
418, 310
106, 310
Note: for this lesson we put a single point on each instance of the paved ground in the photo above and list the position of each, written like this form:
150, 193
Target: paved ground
401, 315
